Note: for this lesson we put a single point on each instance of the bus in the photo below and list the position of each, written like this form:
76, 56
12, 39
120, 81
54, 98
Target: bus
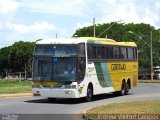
82, 67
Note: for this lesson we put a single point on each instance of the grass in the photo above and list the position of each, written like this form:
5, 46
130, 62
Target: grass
142, 107
13, 86
149, 81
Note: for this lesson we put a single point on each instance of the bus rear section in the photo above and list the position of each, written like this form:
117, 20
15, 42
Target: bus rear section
113, 66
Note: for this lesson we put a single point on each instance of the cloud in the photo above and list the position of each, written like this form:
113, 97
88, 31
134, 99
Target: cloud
7, 6
56, 7
80, 25
12, 32
36, 27
1, 26
130, 11
157, 4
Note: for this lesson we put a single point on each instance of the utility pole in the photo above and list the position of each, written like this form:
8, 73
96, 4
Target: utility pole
151, 52
94, 28
25, 73
151, 57
56, 35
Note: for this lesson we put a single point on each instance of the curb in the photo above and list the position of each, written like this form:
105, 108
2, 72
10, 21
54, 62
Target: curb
15, 95
149, 81
85, 116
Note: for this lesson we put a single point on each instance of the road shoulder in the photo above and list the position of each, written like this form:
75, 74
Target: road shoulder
15, 95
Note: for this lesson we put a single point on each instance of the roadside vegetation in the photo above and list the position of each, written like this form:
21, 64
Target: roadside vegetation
142, 107
14, 86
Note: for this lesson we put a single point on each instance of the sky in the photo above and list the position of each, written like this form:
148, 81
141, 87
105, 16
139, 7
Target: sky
30, 20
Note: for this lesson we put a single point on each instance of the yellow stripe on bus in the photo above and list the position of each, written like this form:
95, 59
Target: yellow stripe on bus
45, 83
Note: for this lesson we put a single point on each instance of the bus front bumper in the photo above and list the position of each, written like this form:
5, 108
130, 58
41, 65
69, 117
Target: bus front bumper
55, 93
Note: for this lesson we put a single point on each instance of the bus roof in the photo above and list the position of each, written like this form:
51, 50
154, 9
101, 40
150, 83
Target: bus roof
61, 41
92, 40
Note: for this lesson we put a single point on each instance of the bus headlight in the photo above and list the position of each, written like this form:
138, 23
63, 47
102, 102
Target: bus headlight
68, 92
36, 93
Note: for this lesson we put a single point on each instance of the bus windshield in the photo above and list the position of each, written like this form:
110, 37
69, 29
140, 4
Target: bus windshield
54, 69
59, 62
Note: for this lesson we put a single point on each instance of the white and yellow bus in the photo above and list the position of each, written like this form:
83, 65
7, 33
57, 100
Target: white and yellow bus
83, 67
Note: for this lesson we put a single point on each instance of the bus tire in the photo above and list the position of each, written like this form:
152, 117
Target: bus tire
51, 99
89, 96
125, 89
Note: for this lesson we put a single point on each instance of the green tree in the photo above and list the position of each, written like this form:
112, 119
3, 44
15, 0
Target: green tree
4, 60
16, 58
20, 54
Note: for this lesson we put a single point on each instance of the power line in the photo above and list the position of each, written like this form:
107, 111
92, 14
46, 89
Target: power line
109, 27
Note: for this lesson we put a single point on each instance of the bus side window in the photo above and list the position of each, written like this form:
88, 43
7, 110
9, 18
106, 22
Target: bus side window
98, 53
116, 52
110, 52
130, 53
89, 51
135, 53
103, 52
107, 52
127, 53
93, 52
123, 53
81, 49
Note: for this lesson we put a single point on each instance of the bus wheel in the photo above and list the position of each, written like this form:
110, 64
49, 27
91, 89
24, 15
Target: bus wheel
51, 99
125, 89
89, 94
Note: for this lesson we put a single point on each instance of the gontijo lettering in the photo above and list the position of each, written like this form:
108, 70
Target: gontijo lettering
118, 67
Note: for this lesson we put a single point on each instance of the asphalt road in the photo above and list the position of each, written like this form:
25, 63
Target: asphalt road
27, 108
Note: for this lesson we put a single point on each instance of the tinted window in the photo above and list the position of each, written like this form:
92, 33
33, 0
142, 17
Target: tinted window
89, 51
93, 52
103, 51
116, 52
111, 53
81, 49
123, 53
56, 50
107, 52
98, 53
130, 54
81, 65
55, 69
135, 53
